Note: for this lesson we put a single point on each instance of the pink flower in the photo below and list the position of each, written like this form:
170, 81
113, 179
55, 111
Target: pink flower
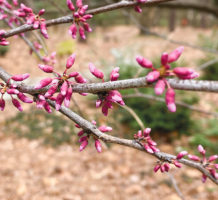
160, 74
115, 74
80, 19
43, 83
70, 61
98, 146
170, 100
181, 155
96, 72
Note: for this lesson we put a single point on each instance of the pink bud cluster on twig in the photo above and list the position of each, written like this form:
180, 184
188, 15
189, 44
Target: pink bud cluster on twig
11, 89
80, 19
207, 163
35, 19
144, 138
84, 137
3, 41
105, 99
60, 82
159, 75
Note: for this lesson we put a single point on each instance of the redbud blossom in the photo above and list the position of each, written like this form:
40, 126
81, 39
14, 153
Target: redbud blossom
181, 155
98, 146
152, 76
43, 83
160, 87
70, 61
170, 100
96, 72
201, 149
21, 77
173, 56
144, 62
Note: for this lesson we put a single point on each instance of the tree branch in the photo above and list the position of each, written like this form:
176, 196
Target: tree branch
87, 126
69, 19
94, 88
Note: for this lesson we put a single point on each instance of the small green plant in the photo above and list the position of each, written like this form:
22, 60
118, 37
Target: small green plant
3, 50
66, 47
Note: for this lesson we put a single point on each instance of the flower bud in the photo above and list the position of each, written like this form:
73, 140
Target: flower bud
17, 104
152, 76
138, 9
70, 5
83, 145
46, 68
41, 12
59, 101
24, 98
82, 32
164, 58
47, 107
166, 167
144, 62
98, 146
68, 96
212, 158
170, 100
79, 3
96, 72
181, 155
193, 157
43, 30
2, 104
20, 77
43, 83
70, 61
80, 79
201, 150
160, 87
64, 88
173, 56
12, 91
105, 129
115, 74
157, 167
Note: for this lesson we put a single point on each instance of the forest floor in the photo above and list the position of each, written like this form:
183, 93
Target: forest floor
32, 171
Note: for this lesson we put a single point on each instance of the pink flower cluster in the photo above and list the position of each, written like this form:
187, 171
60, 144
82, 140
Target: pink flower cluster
145, 140
207, 163
35, 19
6, 5
107, 98
11, 89
61, 82
84, 137
159, 75
138, 8
165, 166
80, 19
3, 41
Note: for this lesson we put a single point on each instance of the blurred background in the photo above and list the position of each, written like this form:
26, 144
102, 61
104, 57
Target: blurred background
39, 152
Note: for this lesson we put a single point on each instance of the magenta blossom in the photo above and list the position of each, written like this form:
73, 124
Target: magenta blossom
80, 19
35, 19
159, 75
138, 8
144, 138
207, 163
3, 41
60, 82
85, 136
106, 99
11, 89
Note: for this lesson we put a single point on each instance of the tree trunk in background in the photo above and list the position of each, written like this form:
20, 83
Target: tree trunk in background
146, 18
204, 21
172, 20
